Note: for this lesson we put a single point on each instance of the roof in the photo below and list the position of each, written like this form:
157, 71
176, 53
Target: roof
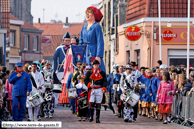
56, 31
149, 8
25, 25
57, 28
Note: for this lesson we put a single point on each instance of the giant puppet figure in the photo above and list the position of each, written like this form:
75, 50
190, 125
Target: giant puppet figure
92, 35
59, 59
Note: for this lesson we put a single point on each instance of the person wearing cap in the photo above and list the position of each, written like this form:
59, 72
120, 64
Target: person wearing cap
37, 81
60, 54
49, 77
21, 88
95, 80
91, 34
127, 86
80, 88
59, 58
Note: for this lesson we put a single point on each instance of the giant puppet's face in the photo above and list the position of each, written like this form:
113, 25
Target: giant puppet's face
67, 41
89, 16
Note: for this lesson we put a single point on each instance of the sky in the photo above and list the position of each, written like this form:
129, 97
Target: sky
60, 9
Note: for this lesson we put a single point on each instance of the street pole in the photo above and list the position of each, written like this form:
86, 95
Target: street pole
160, 45
188, 37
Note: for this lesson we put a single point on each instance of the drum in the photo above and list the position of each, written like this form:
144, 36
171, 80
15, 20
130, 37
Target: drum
57, 88
130, 98
141, 85
36, 100
48, 85
82, 102
71, 93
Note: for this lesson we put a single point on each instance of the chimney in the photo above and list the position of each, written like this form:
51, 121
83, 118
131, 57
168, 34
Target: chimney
38, 20
66, 25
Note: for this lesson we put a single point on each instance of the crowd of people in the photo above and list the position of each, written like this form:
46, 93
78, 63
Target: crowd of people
155, 88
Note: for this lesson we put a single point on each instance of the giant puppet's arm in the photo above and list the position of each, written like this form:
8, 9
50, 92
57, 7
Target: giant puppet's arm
55, 58
81, 37
100, 41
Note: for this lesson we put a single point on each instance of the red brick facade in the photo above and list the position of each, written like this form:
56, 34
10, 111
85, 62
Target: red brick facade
137, 9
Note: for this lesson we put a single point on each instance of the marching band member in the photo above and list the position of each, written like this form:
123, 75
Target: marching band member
80, 88
95, 80
59, 58
37, 87
21, 89
127, 86
70, 85
49, 77
136, 74
118, 91
91, 34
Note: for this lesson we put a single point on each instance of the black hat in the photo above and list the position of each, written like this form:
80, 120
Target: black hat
133, 63
96, 62
67, 35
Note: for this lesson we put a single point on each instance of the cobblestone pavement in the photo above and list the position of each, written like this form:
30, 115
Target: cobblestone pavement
108, 121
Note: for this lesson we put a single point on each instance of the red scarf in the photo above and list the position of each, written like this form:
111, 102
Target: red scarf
19, 71
66, 47
160, 77
150, 77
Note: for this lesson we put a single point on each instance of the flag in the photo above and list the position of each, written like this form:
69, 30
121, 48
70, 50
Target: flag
79, 53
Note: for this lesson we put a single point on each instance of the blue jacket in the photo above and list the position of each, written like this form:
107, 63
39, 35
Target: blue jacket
154, 87
116, 80
69, 83
94, 38
21, 85
147, 81
58, 58
110, 83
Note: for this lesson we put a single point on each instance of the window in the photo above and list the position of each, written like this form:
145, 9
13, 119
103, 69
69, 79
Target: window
138, 58
128, 56
105, 18
26, 42
12, 38
35, 43
105, 57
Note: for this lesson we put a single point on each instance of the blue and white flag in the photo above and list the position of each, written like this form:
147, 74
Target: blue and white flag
79, 53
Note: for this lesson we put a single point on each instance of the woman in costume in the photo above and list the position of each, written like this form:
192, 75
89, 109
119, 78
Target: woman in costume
68, 69
92, 35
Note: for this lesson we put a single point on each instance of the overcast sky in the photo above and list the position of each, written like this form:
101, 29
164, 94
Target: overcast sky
60, 9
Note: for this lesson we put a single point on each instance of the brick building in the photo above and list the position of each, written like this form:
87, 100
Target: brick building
145, 51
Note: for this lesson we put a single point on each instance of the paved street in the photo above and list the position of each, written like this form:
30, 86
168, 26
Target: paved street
108, 121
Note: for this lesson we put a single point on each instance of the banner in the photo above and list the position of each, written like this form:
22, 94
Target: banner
46, 39
79, 53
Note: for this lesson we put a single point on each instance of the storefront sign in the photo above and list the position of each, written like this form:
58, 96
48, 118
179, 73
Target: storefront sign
133, 33
175, 35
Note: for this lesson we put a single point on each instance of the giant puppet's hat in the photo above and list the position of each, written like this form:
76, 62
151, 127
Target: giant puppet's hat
97, 14
66, 35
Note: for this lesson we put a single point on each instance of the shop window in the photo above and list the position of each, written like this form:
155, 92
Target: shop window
12, 38
179, 61
26, 42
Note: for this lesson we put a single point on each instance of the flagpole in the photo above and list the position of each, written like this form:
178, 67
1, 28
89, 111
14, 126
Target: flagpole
188, 37
160, 46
